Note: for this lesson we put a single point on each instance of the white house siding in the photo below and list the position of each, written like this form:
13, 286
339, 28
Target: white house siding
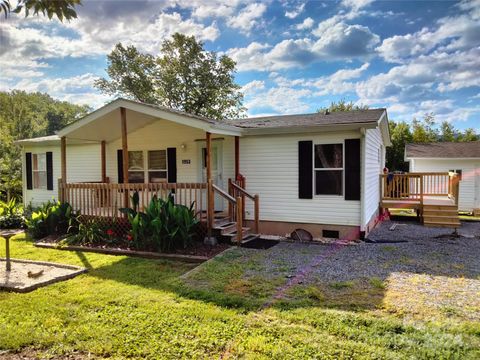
270, 165
163, 134
375, 162
83, 164
469, 186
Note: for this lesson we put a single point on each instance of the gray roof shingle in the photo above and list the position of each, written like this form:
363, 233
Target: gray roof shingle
444, 150
316, 119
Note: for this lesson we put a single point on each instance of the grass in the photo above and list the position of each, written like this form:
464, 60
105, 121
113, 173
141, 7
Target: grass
138, 308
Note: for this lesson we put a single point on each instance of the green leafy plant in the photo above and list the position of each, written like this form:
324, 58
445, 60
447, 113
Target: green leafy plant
89, 232
53, 217
163, 226
11, 215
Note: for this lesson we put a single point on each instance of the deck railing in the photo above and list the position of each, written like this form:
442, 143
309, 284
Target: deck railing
237, 189
415, 186
105, 199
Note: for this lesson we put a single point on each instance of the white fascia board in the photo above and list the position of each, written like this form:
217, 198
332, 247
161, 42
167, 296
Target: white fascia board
308, 129
154, 112
384, 129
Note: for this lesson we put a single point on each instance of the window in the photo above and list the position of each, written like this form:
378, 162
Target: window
157, 166
328, 163
136, 168
39, 169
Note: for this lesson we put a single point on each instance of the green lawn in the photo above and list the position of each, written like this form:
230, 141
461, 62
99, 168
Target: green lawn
128, 307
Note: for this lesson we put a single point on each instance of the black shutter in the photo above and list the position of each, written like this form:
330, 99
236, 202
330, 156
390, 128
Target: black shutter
352, 169
50, 170
28, 170
172, 165
120, 166
305, 169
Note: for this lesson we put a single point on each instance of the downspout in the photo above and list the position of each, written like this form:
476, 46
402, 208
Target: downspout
363, 181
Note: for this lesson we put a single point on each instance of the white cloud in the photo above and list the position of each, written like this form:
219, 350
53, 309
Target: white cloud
77, 89
452, 33
282, 100
306, 24
295, 12
253, 87
248, 17
335, 42
355, 4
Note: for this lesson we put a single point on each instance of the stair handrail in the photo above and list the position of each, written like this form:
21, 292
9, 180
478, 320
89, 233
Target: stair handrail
234, 203
255, 198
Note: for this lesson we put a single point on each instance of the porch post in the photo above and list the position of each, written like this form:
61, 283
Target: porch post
237, 157
104, 162
210, 199
63, 164
123, 114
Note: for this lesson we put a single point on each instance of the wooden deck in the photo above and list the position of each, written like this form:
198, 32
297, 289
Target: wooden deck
433, 195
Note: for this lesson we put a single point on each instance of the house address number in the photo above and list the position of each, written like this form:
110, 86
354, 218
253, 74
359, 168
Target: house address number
186, 162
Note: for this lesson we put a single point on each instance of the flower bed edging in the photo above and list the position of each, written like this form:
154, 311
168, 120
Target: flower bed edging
142, 254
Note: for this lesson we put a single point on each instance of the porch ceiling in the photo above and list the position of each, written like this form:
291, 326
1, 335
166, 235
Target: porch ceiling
108, 127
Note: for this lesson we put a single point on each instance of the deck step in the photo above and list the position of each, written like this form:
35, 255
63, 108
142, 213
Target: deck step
249, 238
440, 219
440, 207
232, 237
442, 224
225, 228
444, 212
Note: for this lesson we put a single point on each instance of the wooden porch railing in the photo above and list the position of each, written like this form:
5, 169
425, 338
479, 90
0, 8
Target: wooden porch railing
236, 189
105, 199
415, 186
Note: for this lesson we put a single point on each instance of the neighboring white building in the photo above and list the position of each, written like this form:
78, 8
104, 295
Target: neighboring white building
314, 171
460, 157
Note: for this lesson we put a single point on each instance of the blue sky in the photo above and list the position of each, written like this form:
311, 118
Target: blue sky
412, 57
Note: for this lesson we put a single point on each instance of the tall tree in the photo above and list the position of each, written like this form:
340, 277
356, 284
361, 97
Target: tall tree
469, 135
447, 132
24, 115
424, 131
400, 135
62, 9
184, 77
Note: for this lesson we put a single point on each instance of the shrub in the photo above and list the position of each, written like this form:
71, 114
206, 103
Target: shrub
52, 218
89, 231
11, 215
163, 226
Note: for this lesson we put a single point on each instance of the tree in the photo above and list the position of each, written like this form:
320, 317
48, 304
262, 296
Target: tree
447, 132
131, 74
184, 77
424, 131
343, 105
469, 135
400, 135
24, 115
62, 9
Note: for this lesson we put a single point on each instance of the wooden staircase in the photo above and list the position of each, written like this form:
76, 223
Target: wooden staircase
229, 226
441, 216
226, 231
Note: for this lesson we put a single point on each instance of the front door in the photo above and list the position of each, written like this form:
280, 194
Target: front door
217, 170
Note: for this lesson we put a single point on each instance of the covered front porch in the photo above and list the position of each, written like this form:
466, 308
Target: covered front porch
154, 151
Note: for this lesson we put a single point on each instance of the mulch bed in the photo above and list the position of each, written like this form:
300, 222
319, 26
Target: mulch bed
197, 252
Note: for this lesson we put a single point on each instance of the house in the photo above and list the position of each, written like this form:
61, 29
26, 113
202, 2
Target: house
462, 158
319, 172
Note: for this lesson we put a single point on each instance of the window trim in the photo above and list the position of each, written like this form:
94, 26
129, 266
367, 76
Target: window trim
315, 169
148, 170
36, 172
146, 166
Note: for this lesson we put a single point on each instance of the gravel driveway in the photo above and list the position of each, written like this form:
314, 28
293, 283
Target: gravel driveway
427, 273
